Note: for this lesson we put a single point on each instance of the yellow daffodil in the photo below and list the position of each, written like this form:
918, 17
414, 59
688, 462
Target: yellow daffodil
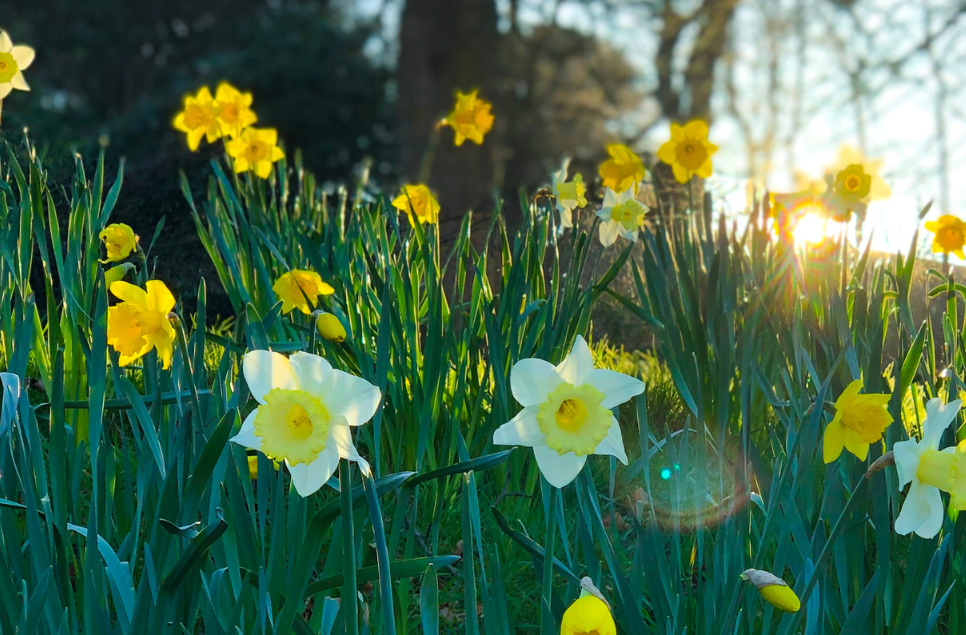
566, 412
330, 327
620, 215
852, 183
140, 322
255, 150
850, 156
305, 414
688, 151
234, 109
471, 118
119, 241
588, 615
945, 470
950, 235
622, 170
117, 273
13, 61
570, 195
859, 420
199, 119
418, 202
922, 511
773, 590
298, 287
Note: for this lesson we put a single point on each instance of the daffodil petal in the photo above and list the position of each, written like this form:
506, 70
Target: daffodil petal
832, 443
265, 370
311, 372
617, 387
5, 43
578, 365
532, 379
613, 443
159, 297
246, 434
559, 469
5, 89
937, 514
522, 429
308, 478
907, 455
351, 397
938, 418
128, 292
23, 56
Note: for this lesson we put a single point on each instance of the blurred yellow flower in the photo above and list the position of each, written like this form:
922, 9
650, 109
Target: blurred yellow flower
852, 183
330, 327
850, 156
570, 195
773, 590
199, 119
418, 202
859, 420
688, 151
234, 109
470, 119
140, 322
13, 60
298, 287
588, 615
256, 150
119, 241
620, 215
950, 235
622, 170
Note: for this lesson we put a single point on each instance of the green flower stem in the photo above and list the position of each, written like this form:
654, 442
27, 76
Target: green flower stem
349, 601
548, 627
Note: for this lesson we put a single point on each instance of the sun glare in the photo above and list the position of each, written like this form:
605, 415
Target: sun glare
813, 228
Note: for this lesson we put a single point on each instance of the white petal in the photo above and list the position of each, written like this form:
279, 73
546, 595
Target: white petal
937, 513
340, 437
907, 455
578, 365
309, 478
522, 429
938, 418
608, 233
23, 56
613, 443
5, 43
532, 379
18, 82
246, 435
351, 397
629, 234
604, 214
311, 372
559, 470
265, 370
566, 216
917, 509
617, 387
611, 198
5, 89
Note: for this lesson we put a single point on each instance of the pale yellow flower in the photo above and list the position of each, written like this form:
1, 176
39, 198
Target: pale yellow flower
13, 61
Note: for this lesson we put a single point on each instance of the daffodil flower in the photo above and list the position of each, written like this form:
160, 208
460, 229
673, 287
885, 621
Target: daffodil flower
859, 421
950, 235
922, 511
255, 150
199, 119
623, 170
418, 202
298, 287
566, 412
234, 109
773, 590
621, 215
305, 414
688, 151
13, 61
569, 195
140, 322
945, 470
470, 119
119, 241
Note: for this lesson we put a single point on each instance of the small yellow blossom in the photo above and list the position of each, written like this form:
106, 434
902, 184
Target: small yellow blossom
688, 151
588, 615
298, 287
119, 241
13, 60
569, 194
140, 322
418, 202
255, 150
330, 327
234, 109
470, 119
773, 590
950, 235
859, 420
852, 183
622, 170
199, 119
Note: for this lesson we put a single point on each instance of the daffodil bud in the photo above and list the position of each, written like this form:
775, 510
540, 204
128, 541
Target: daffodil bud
773, 590
330, 327
589, 613
117, 273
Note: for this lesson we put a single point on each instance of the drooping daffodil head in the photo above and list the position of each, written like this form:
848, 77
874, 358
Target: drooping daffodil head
860, 420
922, 511
305, 414
119, 241
569, 195
566, 412
621, 214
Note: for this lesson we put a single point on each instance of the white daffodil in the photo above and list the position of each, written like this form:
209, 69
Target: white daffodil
566, 412
922, 511
620, 215
13, 60
569, 196
305, 412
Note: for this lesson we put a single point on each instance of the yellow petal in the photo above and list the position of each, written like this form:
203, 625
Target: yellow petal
832, 441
